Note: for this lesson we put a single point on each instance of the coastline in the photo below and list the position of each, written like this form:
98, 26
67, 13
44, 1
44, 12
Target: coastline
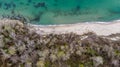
100, 28
20, 42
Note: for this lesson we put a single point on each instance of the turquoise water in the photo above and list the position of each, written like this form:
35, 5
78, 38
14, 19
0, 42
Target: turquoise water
61, 11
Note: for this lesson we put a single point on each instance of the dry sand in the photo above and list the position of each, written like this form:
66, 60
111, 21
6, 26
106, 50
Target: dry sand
80, 28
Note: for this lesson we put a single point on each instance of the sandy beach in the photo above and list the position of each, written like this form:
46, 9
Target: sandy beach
81, 28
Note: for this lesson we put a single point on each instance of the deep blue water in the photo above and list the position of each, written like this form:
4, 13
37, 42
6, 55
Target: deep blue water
61, 11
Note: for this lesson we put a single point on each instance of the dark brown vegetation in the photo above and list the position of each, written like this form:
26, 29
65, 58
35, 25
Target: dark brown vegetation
21, 47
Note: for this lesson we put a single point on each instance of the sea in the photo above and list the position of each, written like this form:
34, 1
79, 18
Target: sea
55, 12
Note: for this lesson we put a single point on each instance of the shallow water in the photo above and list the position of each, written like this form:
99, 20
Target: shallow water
61, 11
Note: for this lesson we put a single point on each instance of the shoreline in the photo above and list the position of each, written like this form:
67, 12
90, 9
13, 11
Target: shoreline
104, 29
93, 22
101, 28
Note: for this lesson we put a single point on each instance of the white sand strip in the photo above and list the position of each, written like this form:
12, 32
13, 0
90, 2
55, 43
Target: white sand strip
80, 28
98, 28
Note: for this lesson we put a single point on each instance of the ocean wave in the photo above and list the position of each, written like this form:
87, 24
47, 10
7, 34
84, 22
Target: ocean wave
93, 22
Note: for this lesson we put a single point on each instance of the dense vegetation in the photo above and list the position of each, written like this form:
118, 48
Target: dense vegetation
21, 47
